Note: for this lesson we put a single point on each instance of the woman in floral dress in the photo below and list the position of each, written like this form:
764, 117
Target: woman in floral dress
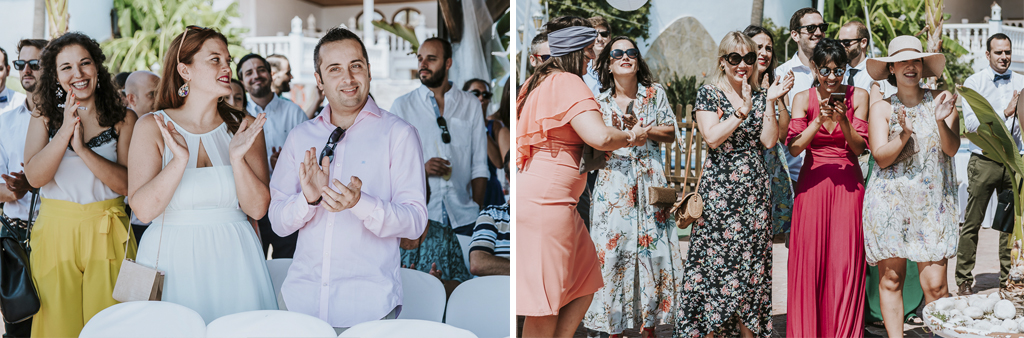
727, 276
637, 244
910, 209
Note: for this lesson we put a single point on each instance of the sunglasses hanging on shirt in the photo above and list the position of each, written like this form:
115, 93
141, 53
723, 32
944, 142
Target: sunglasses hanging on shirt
443, 124
332, 142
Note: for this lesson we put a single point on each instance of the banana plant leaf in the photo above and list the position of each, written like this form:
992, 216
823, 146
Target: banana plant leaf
402, 31
997, 143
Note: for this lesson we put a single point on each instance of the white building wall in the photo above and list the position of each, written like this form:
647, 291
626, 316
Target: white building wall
16, 17
334, 16
273, 17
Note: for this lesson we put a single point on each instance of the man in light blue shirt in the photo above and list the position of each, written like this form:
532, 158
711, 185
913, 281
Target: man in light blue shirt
1000, 87
603, 35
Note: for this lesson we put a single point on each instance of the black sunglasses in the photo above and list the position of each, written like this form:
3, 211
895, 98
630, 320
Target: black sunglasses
332, 142
32, 64
632, 52
848, 42
735, 58
603, 34
812, 28
443, 124
838, 71
477, 93
542, 57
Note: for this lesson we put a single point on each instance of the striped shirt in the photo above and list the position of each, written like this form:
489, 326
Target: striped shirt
492, 232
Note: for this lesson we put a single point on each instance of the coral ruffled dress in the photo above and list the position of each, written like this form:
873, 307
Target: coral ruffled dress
556, 261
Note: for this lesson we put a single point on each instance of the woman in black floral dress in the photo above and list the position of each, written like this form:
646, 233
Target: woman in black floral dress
727, 275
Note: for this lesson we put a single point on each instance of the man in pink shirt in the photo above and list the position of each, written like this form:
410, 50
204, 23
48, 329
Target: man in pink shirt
351, 182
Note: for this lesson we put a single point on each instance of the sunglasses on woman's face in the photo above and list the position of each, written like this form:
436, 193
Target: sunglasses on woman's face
19, 65
542, 57
824, 71
478, 93
632, 53
735, 58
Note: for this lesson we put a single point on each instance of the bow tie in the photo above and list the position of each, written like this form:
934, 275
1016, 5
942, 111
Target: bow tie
3, 99
1002, 77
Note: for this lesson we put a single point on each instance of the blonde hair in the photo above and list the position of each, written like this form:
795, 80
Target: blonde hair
732, 42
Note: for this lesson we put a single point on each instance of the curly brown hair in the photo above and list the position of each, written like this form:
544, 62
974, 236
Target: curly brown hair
167, 92
110, 109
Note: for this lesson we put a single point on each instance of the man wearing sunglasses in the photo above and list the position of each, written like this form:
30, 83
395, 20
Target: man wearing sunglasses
350, 182
14, 190
453, 137
9, 99
539, 49
603, 36
854, 36
806, 28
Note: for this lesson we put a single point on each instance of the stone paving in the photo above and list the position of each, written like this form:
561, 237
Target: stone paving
986, 273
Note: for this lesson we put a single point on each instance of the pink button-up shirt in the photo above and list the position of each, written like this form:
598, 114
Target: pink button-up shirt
345, 268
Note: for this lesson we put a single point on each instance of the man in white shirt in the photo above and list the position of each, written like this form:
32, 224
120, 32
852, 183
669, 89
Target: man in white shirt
855, 36
453, 138
806, 27
1000, 87
603, 36
254, 72
9, 99
14, 190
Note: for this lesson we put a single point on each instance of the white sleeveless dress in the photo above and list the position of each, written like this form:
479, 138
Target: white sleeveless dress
209, 251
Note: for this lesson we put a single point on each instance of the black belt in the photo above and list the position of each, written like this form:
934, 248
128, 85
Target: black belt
16, 222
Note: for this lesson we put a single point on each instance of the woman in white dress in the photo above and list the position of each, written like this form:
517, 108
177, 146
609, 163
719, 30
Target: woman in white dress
198, 169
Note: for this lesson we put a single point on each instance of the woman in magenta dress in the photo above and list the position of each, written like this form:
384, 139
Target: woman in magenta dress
826, 269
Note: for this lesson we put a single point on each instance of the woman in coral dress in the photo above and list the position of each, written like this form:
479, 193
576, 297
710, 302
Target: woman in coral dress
557, 270
826, 273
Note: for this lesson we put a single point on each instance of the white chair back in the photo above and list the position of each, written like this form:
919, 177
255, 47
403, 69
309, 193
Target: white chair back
269, 323
401, 328
278, 270
423, 296
465, 241
481, 305
148, 319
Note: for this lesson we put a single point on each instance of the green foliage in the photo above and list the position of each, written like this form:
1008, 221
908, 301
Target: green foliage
633, 24
503, 26
147, 27
997, 143
892, 18
403, 31
682, 91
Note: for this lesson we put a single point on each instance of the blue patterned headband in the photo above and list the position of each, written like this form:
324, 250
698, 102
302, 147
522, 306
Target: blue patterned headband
570, 39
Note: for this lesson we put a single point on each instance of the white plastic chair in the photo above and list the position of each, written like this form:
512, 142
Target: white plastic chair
401, 328
278, 270
481, 305
269, 323
465, 241
423, 296
149, 319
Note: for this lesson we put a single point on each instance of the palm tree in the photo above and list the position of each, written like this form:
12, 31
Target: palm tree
757, 13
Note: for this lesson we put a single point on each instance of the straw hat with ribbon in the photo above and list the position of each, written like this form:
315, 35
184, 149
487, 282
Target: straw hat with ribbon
903, 48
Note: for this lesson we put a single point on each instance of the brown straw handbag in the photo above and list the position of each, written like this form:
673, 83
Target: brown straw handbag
137, 282
689, 208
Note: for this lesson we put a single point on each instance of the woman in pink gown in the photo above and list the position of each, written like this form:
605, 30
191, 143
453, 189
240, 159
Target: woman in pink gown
557, 268
826, 258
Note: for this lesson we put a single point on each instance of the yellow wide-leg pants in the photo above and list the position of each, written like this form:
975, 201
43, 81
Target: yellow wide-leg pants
77, 250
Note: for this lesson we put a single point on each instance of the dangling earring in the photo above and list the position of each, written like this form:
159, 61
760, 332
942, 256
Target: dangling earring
183, 91
60, 93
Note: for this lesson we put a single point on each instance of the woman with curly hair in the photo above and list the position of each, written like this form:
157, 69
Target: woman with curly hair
76, 151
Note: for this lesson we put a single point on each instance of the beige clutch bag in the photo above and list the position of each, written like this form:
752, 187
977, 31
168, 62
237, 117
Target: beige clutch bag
137, 282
